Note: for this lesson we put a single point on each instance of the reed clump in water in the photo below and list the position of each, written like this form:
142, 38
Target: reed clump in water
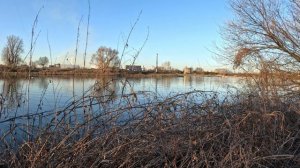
195, 129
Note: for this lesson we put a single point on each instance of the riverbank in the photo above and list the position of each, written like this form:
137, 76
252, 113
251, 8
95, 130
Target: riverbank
94, 73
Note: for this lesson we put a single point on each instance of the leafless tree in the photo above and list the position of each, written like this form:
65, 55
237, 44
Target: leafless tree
166, 66
264, 37
105, 59
11, 53
43, 61
264, 34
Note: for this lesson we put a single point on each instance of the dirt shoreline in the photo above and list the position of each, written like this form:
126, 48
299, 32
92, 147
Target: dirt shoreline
94, 73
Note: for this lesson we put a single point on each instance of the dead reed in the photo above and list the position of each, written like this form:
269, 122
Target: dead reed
195, 129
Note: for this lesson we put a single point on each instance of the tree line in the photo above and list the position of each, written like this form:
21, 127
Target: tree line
105, 57
11, 53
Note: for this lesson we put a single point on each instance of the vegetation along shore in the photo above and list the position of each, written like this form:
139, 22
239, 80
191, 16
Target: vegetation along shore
105, 107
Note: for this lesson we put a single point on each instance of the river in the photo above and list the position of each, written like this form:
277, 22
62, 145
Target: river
46, 94
30, 104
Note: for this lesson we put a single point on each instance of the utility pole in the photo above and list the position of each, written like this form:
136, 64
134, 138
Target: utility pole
156, 63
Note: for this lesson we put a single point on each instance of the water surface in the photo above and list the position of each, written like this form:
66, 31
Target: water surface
21, 96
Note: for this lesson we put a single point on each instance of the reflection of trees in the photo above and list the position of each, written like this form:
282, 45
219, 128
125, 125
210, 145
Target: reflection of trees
199, 80
221, 81
130, 84
133, 81
11, 93
105, 89
166, 82
43, 83
187, 80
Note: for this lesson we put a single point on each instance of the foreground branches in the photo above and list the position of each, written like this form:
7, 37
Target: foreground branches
264, 34
195, 129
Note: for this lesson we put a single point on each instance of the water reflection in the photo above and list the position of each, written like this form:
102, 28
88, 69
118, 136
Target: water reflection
54, 93
76, 99
105, 89
43, 83
11, 94
187, 80
199, 80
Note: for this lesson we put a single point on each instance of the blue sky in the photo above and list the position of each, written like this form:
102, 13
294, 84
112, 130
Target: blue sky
181, 32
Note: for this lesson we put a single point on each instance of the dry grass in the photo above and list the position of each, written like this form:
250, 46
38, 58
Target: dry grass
194, 129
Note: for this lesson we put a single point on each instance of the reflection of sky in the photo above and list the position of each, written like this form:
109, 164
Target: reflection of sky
55, 93
164, 86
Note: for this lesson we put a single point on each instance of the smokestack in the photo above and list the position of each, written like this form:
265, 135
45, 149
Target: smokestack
156, 63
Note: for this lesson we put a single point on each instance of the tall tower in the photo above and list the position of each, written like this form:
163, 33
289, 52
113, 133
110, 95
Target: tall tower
156, 69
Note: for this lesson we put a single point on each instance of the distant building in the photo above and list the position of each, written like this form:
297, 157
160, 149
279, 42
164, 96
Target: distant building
135, 68
69, 66
55, 66
187, 70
